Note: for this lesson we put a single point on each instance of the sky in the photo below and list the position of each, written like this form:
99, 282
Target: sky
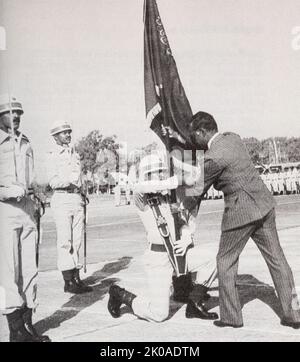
82, 60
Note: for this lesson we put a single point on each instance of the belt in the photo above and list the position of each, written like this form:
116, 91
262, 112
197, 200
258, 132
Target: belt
158, 247
68, 190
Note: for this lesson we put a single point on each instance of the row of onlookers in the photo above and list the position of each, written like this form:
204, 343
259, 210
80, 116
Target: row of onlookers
283, 182
279, 183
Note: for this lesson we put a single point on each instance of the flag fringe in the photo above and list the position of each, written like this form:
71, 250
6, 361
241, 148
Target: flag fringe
153, 113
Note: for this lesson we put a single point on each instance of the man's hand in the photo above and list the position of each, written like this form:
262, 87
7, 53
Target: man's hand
16, 192
180, 246
168, 131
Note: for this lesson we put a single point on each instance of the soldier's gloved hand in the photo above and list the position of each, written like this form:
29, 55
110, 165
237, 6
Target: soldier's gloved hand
185, 241
154, 186
13, 192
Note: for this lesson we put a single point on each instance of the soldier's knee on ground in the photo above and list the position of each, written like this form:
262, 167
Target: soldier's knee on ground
160, 317
159, 314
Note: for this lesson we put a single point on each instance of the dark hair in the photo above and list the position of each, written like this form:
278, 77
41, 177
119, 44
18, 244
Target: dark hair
203, 120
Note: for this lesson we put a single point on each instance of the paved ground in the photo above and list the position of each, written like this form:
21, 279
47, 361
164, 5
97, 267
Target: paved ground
116, 242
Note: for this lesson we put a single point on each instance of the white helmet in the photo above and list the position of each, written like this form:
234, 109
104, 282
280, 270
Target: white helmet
60, 126
8, 103
152, 163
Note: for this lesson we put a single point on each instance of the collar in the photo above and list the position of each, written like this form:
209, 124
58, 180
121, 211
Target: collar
212, 139
3, 136
61, 149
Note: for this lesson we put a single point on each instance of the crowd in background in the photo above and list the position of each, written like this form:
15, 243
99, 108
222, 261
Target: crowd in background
284, 182
278, 182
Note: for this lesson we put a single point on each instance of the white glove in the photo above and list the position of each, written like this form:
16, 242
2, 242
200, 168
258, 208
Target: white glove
192, 174
12, 192
180, 246
146, 187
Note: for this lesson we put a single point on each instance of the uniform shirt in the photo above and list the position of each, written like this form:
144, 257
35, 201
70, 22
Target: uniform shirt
187, 206
63, 167
16, 161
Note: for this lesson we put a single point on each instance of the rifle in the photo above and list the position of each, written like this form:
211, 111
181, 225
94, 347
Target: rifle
211, 279
86, 201
38, 215
180, 260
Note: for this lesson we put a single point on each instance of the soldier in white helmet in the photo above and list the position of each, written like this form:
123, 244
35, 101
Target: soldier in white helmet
67, 204
18, 231
153, 188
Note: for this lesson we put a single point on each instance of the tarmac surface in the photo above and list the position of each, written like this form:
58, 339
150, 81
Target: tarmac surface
116, 242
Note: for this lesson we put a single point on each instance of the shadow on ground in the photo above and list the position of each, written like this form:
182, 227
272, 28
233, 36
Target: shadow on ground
250, 289
101, 283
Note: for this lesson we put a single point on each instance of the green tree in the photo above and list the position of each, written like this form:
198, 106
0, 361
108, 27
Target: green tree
98, 154
254, 147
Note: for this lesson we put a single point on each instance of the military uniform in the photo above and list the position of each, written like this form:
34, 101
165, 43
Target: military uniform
117, 193
18, 231
159, 271
298, 179
280, 183
67, 205
154, 304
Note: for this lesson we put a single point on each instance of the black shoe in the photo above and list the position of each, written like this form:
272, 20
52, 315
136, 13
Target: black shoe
118, 296
80, 283
223, 325
72, 287
286, 323
27, 318
197, 310
17, 330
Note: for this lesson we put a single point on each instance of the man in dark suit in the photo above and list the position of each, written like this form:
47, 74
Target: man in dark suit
249, 212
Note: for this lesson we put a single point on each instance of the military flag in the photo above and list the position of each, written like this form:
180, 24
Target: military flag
166, 101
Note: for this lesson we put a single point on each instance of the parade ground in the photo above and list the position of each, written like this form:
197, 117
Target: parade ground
116, 242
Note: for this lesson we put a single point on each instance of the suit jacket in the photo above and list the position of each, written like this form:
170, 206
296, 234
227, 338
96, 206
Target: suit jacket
228, 167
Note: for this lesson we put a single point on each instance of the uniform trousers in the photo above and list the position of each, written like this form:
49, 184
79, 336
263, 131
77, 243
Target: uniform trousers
18, 269
68, 214
154, 305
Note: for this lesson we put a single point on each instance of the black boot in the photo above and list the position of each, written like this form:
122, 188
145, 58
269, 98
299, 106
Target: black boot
199, 293
17, 330
27, 318
70, 283
80, 283
118, 296
198, 310
182, 286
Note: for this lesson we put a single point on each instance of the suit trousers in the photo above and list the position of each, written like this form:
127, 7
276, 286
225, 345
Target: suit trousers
264, 234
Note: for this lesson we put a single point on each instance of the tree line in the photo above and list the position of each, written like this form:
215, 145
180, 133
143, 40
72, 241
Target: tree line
273, 150
100, 154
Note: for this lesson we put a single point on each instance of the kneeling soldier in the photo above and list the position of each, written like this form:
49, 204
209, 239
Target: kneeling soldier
152, 200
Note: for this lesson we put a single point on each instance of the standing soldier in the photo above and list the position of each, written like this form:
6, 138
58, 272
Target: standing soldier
128, 193
117, 192
288, 186
294, 180
67, 204
18, 232
298, 179
280, 182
